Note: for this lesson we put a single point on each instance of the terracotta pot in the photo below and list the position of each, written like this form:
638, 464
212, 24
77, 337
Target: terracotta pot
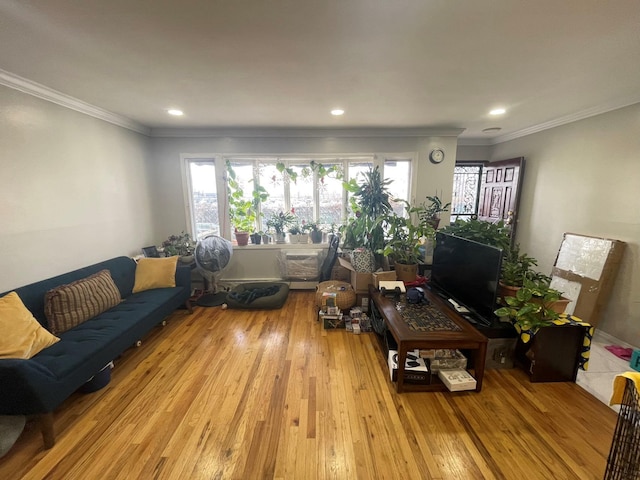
242, 238
506, 291
406, 273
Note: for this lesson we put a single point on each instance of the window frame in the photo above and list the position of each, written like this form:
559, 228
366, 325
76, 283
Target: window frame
219, 163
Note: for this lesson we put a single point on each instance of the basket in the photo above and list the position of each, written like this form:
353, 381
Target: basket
345, 295
624, 457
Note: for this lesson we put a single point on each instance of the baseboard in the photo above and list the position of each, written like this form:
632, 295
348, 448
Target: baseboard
609, 339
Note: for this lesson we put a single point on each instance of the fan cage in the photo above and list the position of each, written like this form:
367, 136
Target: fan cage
624, 457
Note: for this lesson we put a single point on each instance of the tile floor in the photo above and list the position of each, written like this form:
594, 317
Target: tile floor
603, 367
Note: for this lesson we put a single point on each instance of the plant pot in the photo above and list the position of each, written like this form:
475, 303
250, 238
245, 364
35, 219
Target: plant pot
266, 239
188, 259
293, 238
242, 238
506, 291
316, 236
280, 237
406, 273
558, 306
256, 238
303, 238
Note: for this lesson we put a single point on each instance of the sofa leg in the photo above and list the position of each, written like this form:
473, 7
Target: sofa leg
189, 306
46, 426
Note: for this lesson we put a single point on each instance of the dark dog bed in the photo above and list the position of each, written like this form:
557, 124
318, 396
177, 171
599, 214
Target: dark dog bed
258, 295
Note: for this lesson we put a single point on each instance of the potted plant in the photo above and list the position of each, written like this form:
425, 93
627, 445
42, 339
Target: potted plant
294, 233
494, 234
370, 204
430, 214
182, 245
256, 238
279, 222
404, 245
534, 305
315, 232
516, 268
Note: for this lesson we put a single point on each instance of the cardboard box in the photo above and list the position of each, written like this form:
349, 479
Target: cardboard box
418, 374
383, 276
584, 270
338, 272
448, 359
457, 380
500, 353
362, 301
359, 281
331, 322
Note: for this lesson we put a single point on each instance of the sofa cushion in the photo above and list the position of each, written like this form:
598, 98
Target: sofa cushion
22, 335
155, 273
69, 305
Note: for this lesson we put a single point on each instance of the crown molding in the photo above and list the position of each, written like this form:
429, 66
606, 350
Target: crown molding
305, 132
574, 117
35, 89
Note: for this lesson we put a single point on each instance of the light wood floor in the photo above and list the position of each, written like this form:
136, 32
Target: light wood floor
224, 394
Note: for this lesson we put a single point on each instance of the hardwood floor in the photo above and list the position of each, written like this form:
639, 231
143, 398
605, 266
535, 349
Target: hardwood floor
229, 394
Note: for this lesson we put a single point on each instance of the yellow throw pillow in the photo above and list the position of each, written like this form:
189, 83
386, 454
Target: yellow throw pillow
155, 273
22, 336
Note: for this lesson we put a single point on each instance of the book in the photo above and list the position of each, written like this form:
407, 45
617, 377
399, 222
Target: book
457, 379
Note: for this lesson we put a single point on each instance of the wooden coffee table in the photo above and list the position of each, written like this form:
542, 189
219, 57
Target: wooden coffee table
437, 326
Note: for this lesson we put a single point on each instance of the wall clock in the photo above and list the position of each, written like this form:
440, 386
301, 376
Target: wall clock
436, 155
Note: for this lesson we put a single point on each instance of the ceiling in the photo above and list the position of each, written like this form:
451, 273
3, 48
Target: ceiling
432, 64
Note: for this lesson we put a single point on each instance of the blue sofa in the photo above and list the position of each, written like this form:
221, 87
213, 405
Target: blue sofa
37, 386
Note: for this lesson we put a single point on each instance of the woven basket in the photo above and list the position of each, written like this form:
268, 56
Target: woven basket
345, 295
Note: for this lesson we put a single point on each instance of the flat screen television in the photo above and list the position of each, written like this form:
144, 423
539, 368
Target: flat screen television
468, 272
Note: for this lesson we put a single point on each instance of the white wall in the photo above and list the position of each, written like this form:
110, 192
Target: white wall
584, 178
74, 190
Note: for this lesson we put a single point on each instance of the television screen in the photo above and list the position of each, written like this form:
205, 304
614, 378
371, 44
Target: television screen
468, 272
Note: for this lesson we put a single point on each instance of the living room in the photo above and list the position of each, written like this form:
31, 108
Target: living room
82, 184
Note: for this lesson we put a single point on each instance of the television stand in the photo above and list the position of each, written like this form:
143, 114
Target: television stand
460, 335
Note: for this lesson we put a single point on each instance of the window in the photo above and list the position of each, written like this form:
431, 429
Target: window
399, 172
312, 186
203, 197
466, 188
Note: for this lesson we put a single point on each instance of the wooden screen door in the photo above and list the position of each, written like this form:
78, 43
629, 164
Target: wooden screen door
500, 192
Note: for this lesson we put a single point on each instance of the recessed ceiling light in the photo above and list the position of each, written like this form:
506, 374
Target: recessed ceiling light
175, 112
337, 112
491, 129
497, 111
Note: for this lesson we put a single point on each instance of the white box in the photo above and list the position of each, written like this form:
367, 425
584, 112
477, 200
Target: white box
457, 379
415, 368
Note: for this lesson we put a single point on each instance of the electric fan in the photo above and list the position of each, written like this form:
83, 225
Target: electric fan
212, 255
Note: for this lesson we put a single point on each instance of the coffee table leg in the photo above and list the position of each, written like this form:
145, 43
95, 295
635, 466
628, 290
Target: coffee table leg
402, 360
481, 355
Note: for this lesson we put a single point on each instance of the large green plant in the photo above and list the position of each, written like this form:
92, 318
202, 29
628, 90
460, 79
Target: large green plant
370, 203
494, 234
518, 267
405, 238
532, 307
243, 212
429, 213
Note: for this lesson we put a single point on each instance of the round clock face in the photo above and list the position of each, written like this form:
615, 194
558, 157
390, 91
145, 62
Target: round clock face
436, 155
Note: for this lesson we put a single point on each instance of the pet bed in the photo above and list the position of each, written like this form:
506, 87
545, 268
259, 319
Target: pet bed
258, 295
